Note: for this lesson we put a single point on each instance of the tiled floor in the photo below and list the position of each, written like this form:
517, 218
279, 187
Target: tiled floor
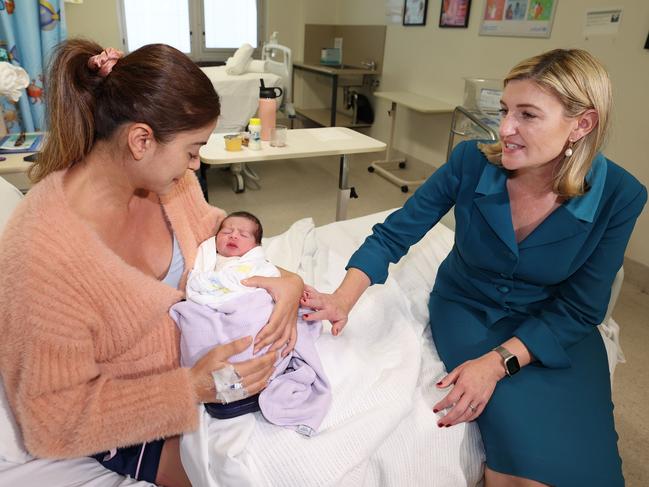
297, 189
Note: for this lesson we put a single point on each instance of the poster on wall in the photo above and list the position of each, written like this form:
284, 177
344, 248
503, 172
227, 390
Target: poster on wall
414, 12
518, 18
455, 13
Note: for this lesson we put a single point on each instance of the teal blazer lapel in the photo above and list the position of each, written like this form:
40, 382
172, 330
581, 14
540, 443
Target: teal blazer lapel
561, 224
576, 215
494, 204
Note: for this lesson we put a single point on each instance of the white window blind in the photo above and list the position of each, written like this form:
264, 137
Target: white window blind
230, 23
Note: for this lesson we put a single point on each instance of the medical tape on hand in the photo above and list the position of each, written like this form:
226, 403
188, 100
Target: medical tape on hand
228, 385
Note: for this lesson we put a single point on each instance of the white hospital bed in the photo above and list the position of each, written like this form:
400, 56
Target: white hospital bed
239, 95
380, 430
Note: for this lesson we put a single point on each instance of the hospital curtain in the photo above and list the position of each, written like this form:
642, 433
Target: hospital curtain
29, 31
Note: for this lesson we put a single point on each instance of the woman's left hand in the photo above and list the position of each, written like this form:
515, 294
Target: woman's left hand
281, 330
473, 383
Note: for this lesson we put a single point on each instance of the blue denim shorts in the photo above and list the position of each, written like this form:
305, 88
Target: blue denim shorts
138, 461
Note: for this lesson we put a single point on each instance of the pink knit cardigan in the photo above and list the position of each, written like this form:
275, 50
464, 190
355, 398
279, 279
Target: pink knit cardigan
88, 353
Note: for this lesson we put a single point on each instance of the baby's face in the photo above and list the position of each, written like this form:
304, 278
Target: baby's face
236, 237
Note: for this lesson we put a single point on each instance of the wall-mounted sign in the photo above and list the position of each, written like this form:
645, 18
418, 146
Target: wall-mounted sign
602, 21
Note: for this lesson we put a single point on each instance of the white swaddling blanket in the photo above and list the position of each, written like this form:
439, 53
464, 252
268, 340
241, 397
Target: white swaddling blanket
216, 279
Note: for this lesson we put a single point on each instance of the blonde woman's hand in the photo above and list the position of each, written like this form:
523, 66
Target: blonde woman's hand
254, 373
473, 384
281, 330
333, 307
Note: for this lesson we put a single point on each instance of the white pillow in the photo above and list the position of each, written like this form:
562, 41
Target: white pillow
9, 199
256, 66
237, 64
11, 442
293, 250
12, 448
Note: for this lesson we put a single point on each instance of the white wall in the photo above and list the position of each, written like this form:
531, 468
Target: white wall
95, 19
432, 61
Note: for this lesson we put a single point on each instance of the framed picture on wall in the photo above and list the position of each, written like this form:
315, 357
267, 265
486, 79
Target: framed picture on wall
454, 13
518, 18
414, 12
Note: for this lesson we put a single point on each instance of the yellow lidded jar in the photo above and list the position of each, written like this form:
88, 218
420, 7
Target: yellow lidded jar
233, 142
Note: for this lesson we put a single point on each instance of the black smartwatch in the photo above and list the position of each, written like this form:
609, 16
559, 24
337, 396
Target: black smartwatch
510, 361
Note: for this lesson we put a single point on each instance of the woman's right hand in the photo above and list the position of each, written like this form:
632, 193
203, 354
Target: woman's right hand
254, 373
333, 307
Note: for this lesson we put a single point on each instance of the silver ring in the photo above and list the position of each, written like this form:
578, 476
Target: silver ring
472, 407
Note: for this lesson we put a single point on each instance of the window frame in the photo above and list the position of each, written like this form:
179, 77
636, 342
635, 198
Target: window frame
199, 52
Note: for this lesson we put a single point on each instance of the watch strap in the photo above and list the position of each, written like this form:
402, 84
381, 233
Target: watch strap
503, 352
510, 361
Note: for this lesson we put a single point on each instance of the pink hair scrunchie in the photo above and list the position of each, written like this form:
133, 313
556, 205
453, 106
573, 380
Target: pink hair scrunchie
104, 61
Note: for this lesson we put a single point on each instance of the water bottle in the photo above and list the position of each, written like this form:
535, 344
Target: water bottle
268, 108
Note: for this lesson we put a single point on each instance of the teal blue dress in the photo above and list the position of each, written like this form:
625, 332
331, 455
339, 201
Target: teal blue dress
553, 421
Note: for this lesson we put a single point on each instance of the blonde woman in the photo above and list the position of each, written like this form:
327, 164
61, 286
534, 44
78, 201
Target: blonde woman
542, 223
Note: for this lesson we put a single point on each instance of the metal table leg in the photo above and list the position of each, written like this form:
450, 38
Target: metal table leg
344, 191
334, 99
385, 167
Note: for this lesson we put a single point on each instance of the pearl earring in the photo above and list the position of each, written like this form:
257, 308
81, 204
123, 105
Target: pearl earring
568, 151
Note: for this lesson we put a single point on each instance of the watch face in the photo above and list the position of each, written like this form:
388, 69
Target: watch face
512, 365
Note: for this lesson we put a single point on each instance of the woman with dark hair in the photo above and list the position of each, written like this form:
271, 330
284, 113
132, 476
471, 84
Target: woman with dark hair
542, 223
97, 253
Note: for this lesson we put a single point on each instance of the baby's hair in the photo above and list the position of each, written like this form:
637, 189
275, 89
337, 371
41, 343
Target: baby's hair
259, 232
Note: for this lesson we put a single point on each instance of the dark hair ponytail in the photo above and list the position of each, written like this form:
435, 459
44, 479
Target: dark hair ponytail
156, 84
70, 105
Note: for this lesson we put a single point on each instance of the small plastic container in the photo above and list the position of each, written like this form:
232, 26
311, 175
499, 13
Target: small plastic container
278, 136
482, 94
233, 142
254, 127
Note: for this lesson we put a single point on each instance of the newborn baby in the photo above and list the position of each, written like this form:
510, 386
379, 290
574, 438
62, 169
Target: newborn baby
220, 309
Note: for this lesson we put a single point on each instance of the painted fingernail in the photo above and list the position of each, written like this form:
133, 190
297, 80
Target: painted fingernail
439, 383
436, 410
448, 425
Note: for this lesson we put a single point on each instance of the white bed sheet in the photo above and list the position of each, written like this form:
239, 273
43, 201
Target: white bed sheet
239, 95
80, 472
